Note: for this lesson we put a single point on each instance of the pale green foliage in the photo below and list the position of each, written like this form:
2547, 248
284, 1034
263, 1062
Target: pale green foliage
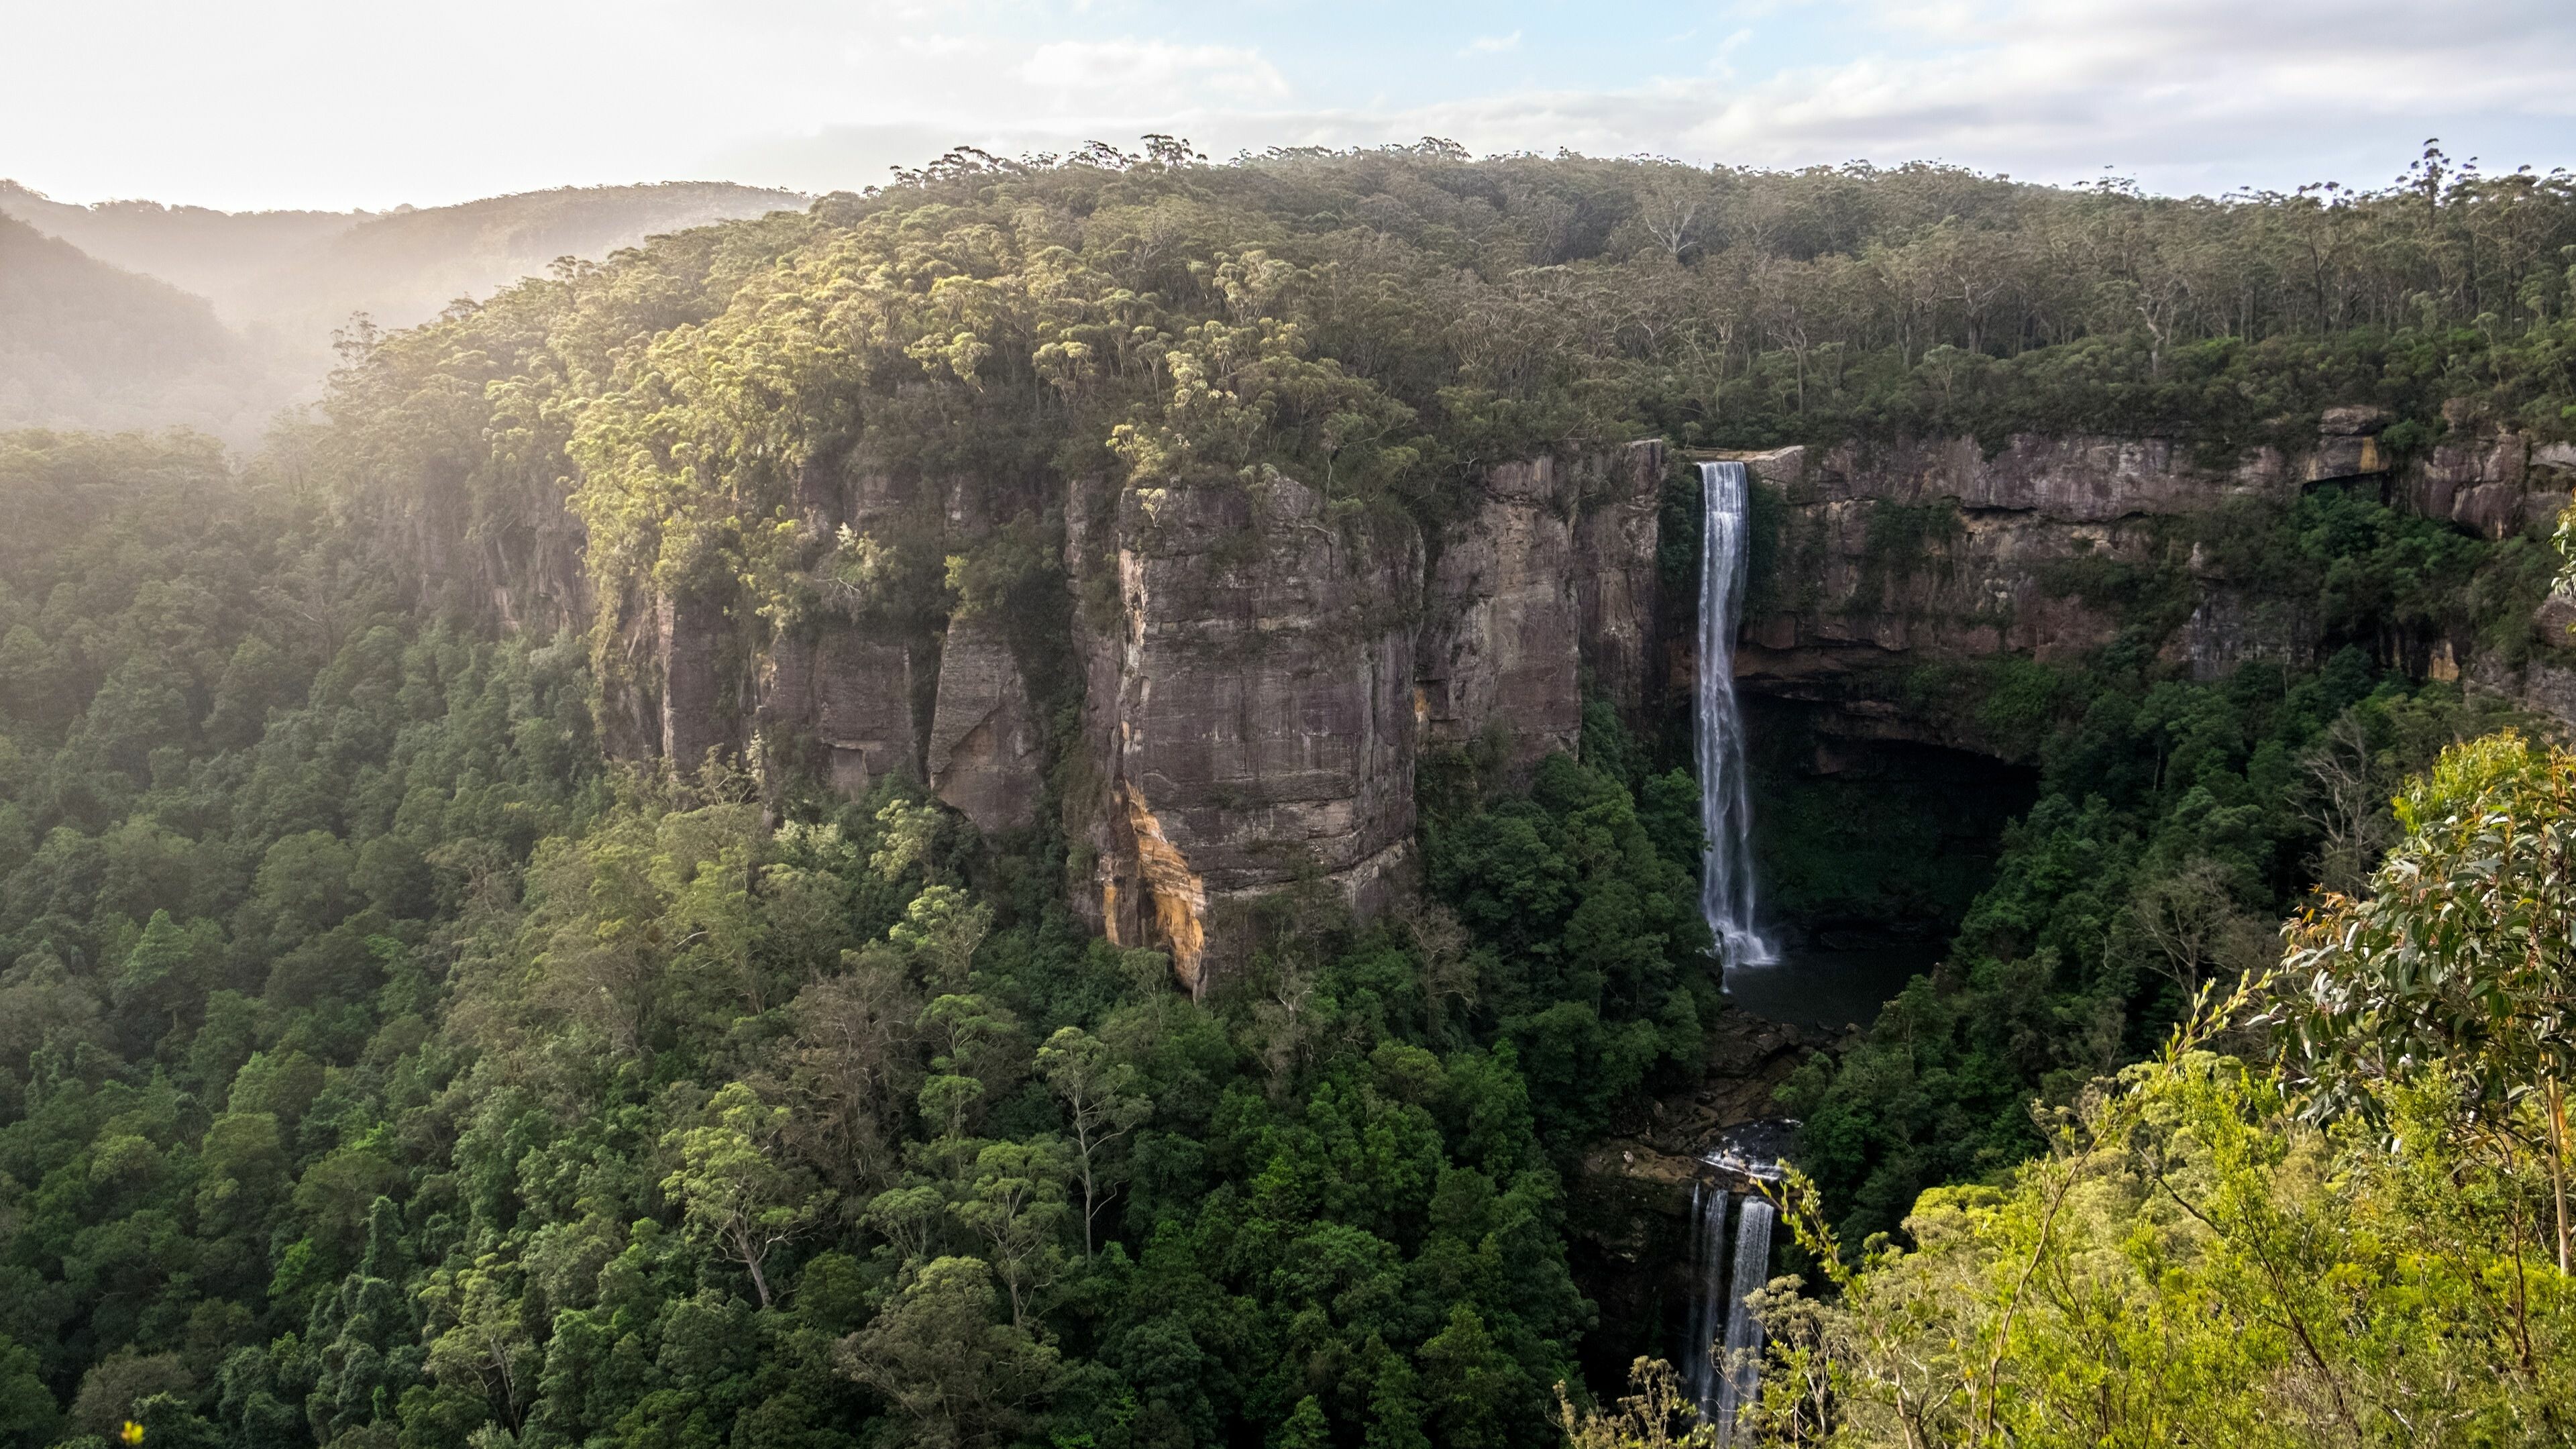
908, 1217
734, 1188
942, 926
2463, 955
2465, 946
2355, 1248
2195, 1263
1015, 1201
1103, 1102
911, 831
1657, 1415
478, 1335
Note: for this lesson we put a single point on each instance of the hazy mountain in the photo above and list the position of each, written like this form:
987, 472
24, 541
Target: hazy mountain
86, 344
216, 254
269, 288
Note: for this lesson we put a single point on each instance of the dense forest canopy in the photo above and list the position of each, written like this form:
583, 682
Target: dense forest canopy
1379, 321
382, 1063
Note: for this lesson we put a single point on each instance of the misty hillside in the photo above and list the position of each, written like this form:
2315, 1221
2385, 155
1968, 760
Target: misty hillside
283, 268
402, 267
215, 254
86, 344
253, 297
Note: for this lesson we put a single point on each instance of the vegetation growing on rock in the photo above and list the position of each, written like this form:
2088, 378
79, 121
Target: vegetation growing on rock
384, 1063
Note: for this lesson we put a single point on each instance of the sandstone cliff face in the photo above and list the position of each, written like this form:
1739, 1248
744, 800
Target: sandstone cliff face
1258, 673
850, 695
1502, 619
1936, 548
697, 704
2494, 483
1616, 535
1932, 552
856, 700
1549, 579
983, 752
1248, 707
1256, 696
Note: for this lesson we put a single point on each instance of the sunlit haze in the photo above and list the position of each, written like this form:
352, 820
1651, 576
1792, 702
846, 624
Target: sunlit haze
300, 103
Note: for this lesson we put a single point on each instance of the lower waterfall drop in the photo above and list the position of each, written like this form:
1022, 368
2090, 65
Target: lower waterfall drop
1708, 1307
1741, 1376
1725, 802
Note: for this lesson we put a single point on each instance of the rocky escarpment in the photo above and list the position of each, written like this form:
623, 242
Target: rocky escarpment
1255, 669
1247, 709
1893, 556
1263, 671
1547, 579
864, 681
983, 755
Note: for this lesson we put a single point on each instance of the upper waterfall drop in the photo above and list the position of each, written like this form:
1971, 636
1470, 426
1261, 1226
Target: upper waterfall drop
1725, 802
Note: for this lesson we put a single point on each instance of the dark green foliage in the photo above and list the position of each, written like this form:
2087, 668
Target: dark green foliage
2175, 820
1591, 953
380, 1068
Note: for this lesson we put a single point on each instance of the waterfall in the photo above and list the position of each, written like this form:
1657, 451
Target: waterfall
1742, 1356
1708, 1306
1725, 804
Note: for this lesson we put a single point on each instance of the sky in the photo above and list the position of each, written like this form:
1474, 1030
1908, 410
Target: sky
370, 103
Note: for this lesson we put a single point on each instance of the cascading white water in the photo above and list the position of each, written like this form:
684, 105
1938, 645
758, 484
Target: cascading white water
1708, 1308
1725, 804
1741, 1354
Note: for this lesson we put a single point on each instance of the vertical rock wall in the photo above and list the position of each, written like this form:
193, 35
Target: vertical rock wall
850, 694
1616, 535
1247, 712
1546, 586
1500, 645
856, 700
1898, 555
983, 751
1258, 674
697, 710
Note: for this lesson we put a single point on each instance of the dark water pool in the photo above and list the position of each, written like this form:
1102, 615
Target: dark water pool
1828, 987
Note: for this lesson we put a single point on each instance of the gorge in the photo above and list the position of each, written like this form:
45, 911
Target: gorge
1076, 800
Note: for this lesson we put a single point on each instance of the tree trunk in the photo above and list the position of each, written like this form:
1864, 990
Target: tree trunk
2558, 1165
751, 1256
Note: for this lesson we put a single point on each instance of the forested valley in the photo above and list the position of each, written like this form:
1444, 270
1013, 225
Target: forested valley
398, 1047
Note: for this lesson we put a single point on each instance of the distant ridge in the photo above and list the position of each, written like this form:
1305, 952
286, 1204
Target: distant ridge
249, 300
211, 253
86, 344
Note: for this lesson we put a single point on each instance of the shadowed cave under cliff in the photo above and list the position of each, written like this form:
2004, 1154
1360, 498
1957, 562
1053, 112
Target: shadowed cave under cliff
1870, 851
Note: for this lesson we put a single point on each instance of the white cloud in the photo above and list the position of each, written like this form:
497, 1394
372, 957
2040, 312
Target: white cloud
174, 100
2181, 87
2189, 95
1127, 72
2186, 95
938, 46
